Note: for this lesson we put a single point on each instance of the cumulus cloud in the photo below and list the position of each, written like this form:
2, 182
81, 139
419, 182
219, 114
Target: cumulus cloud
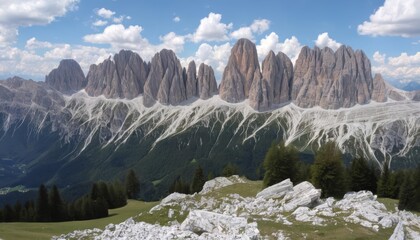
215, 56
291, 46
258, 26
15, 14
404, 68
29, 63
33, 43
99, 23
211, 29
119, 37
105, 13
394, 18
379, 58
324, 40
176, 19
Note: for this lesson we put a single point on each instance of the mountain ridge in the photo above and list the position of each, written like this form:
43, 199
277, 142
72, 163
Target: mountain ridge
47, 136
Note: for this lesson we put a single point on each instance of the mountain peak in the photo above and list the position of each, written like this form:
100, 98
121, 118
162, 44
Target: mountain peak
67, 78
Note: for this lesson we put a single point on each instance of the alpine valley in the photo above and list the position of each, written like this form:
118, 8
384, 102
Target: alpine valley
161, 119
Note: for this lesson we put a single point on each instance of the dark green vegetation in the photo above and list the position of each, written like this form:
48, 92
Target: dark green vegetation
280, 163
50, 207
329, 173
45, 230
44, 157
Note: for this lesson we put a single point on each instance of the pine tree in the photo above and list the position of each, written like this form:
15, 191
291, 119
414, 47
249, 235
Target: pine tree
362, 175
179, 186
120, 194
328, 171
94, 192
198, 180
384, 183
17, 211
8, 213
416, 185
132, 185
407, 191
104, 193
280, 163
229, 170
42, 205
57, 208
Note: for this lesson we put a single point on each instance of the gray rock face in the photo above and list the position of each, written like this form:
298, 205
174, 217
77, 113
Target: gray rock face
332, 80
165, 82
207, 85
240, 72
379, 92
191, 83
17, 95
278, 190
122, 78
68, 78
276, 84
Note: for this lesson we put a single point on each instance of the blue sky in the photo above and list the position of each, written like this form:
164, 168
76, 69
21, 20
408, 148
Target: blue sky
36, 35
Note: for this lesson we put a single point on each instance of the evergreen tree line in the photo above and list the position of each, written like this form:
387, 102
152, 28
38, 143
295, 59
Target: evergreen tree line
329, 173
199, 179
50, 207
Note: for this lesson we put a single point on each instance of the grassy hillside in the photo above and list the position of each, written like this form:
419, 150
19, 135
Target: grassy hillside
17, 231
139, 210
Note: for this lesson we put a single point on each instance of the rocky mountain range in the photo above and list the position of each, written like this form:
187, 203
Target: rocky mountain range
129, 113
320, 77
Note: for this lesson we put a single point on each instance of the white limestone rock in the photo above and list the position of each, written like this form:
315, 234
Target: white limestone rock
220, 182
304, 194
199, 221
398, 233
278, 190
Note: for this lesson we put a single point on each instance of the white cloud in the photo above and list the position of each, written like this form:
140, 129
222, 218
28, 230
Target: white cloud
216, 56
176, 19
258, 26
405, 60
243, 32
324, 40
105, 13
291, 46
33, 43
404, 68
99, 23
211, 29
119, 19
119, 37
14, 14
394, 18
27, 62
379, 58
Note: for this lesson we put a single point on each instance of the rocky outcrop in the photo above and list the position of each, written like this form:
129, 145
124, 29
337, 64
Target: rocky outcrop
220, 182
379, 92
332, 80
68, 78
21, 93
191, 83
240, 72
165, 82
200, 221
275, 84
277, 190
123, 77
207, 85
